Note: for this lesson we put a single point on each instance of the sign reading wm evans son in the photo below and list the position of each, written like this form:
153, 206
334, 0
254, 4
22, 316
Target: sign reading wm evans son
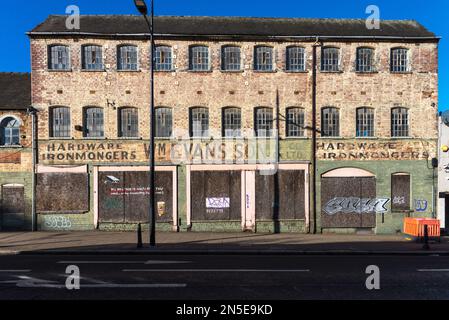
356, 205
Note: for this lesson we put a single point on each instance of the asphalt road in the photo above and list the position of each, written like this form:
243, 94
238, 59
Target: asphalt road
223, 277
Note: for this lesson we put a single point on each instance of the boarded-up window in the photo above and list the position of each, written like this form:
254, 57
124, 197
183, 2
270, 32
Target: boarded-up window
216, 195
62, 193
400, 192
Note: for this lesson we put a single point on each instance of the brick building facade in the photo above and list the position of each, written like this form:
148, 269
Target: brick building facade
372, 163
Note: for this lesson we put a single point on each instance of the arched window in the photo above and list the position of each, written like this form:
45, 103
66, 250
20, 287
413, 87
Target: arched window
330, 59
58, 57
199, 58
93, 122
164, 60
399, 60
399, 122
92, 57
128, 122
365, 60
199, 122
231, 122
10, 132
263, 58
164, 122
230, 58
127, 58
365, 122
295, 122
60, 122
263, 122
330, 122
296, 59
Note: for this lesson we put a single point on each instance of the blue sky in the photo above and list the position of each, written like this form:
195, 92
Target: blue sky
17, 17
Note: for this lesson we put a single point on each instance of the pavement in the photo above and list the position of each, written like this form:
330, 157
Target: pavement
100, 242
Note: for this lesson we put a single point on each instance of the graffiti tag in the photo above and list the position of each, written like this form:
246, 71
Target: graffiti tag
356, 205
57, 222
218, 203
399, 200
421, 205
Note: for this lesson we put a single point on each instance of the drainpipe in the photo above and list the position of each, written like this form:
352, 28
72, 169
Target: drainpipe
32, 111
313, 228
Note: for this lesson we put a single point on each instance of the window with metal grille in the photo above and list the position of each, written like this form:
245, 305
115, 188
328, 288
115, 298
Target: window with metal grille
60, 122
92, 57
129, 122
330, 59
365, 60
399, 122
296, 58
263, 59
230, 58
231, 122
58, 57
199, 58
10, 132
164, 61
93, 122
399, 60
295, 122
127, 58
164, 122
365, 122
263, 122
199, 122
330, 122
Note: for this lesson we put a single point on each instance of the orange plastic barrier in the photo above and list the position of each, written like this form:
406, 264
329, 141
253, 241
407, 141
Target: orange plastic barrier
415, 227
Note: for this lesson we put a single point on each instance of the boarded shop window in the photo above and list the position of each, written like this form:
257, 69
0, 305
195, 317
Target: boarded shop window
231, 58
60, 122
62, 192
399, 60
92, 57
296, 58
365, 60
263, 122
399, 122
93, 122
129, 123
232, 122
400, 192
10, 132
199, 122
58, 57
164, 122
199, 58
295, 122
330, 122
164, 61
365, 122
263, 59
127, 58
330, 59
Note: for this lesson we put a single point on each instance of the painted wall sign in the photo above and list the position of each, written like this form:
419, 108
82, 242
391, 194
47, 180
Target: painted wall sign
387, 150
356, 205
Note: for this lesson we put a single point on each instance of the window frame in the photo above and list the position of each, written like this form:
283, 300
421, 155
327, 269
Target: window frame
395, 68
84, 63
157, 66
157, 127
300, 128
224, 57
326, 126
288, 64
132, 133
120, 66
338, 65
50, 52
205, 123
367, 121
193, 66
53, 126
257, 66
257, 122
13, 132
86, 131
395, 129
362, 67
237, 115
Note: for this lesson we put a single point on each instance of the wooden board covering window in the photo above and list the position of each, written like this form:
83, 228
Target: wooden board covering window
400, 192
